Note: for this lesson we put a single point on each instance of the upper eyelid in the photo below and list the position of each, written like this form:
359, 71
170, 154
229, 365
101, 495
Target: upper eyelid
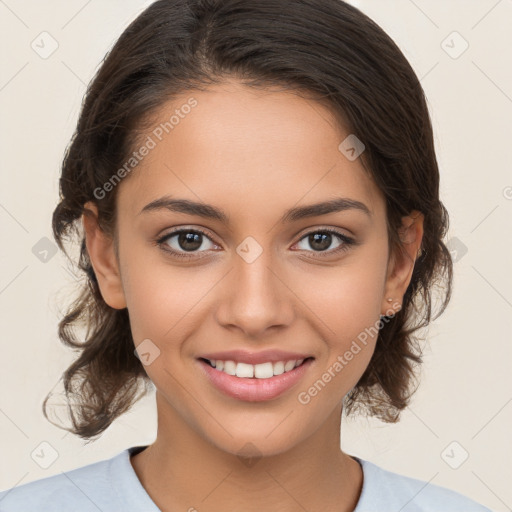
202, 231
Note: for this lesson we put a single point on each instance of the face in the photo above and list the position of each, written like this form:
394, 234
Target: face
254, 277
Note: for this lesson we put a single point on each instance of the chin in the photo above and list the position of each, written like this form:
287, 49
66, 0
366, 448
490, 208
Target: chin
252, 445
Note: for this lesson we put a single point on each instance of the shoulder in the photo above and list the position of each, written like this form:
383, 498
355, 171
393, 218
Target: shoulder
385, 490
84, 488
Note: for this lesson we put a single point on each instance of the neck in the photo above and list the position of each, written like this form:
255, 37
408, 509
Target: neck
182, 470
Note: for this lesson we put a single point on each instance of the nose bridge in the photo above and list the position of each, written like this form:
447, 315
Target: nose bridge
257, 297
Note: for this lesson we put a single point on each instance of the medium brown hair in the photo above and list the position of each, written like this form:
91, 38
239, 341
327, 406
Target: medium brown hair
326, 49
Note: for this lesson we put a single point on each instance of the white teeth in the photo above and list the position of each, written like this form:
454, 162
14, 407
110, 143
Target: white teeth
289, 365
229, 367
258, 371
278, 368
263, 370
244, 370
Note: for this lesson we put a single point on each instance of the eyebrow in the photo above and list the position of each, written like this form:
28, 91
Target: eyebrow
207, 211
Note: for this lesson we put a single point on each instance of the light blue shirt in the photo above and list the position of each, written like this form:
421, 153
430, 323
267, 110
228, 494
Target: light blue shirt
111, 485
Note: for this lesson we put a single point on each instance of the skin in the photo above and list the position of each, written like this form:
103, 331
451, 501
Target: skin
254, 154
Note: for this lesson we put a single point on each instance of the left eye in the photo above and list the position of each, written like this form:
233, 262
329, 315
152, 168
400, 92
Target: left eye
321, 240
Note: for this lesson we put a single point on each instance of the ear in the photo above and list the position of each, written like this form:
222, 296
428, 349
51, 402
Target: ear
100, 248
401, 265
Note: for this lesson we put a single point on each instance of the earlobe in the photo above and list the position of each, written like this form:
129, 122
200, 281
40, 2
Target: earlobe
401, 264
100, 248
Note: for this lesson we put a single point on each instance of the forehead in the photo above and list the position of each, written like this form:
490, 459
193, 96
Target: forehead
245, 150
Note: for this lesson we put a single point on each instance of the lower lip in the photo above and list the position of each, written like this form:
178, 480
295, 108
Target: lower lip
253, 389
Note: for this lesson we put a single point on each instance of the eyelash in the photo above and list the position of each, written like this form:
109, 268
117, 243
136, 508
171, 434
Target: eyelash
345, 246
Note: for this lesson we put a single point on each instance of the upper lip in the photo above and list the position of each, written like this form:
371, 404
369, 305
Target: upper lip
243, 356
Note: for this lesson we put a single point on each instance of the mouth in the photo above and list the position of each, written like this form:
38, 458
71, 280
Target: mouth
254, 383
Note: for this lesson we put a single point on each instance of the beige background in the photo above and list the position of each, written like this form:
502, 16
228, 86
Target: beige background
466, 390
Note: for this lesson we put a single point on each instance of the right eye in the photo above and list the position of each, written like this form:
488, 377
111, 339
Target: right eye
184, 243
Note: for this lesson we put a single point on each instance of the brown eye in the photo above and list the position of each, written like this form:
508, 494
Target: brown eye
183, 241
321, 240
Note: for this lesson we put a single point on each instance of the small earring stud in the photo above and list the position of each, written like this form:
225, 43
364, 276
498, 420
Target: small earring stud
389, 299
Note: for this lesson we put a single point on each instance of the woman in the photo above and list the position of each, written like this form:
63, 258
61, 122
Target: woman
262, 230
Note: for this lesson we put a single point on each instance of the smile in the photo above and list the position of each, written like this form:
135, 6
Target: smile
254, 383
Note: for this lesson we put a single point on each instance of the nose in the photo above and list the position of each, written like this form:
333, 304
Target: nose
256, 297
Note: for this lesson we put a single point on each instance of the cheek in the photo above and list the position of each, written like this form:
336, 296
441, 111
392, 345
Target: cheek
162, 298
347, 299
348, 304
